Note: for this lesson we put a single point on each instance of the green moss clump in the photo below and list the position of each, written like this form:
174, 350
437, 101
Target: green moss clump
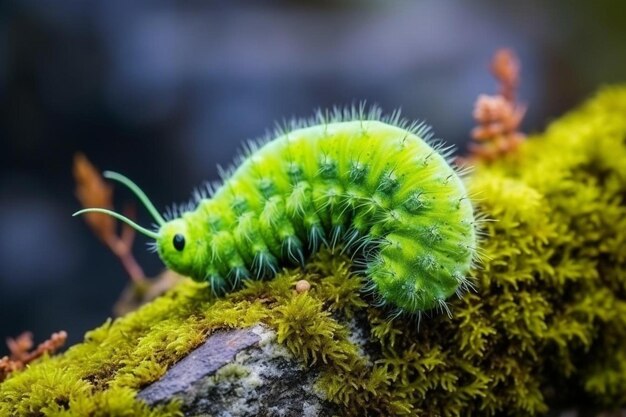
549, 311
103, 373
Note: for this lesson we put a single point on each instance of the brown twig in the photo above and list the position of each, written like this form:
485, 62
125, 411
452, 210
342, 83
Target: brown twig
21, 354
93, 191
498, 117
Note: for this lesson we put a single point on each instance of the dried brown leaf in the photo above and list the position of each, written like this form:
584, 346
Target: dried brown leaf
93, 191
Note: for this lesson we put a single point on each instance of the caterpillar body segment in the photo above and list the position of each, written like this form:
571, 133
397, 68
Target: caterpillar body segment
356, 184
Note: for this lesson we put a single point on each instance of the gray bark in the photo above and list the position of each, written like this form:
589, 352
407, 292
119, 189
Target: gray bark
238, 373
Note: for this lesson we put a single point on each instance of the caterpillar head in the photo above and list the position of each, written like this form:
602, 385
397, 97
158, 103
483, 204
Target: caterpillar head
179, 245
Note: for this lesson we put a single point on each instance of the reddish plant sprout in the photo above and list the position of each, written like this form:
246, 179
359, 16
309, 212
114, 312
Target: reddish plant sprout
21, 353
505, 67
93, 191
498, 117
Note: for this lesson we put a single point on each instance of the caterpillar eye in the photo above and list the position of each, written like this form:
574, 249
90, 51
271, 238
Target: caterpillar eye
179, 242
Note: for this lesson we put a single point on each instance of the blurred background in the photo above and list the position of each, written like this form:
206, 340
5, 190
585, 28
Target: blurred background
163, 91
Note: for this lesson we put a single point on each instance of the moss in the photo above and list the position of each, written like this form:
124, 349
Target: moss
232, 371
549, 310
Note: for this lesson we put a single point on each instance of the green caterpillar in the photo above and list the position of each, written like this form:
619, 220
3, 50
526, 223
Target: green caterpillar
369, 184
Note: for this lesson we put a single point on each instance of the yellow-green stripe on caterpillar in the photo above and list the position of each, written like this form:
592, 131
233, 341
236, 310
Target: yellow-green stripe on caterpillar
370, 184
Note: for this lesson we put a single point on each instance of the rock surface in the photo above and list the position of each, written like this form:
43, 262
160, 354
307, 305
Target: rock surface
240, 372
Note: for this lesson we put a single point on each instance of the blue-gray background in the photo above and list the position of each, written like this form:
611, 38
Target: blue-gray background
163, 91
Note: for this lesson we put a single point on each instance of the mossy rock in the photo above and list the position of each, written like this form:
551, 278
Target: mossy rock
545, 328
